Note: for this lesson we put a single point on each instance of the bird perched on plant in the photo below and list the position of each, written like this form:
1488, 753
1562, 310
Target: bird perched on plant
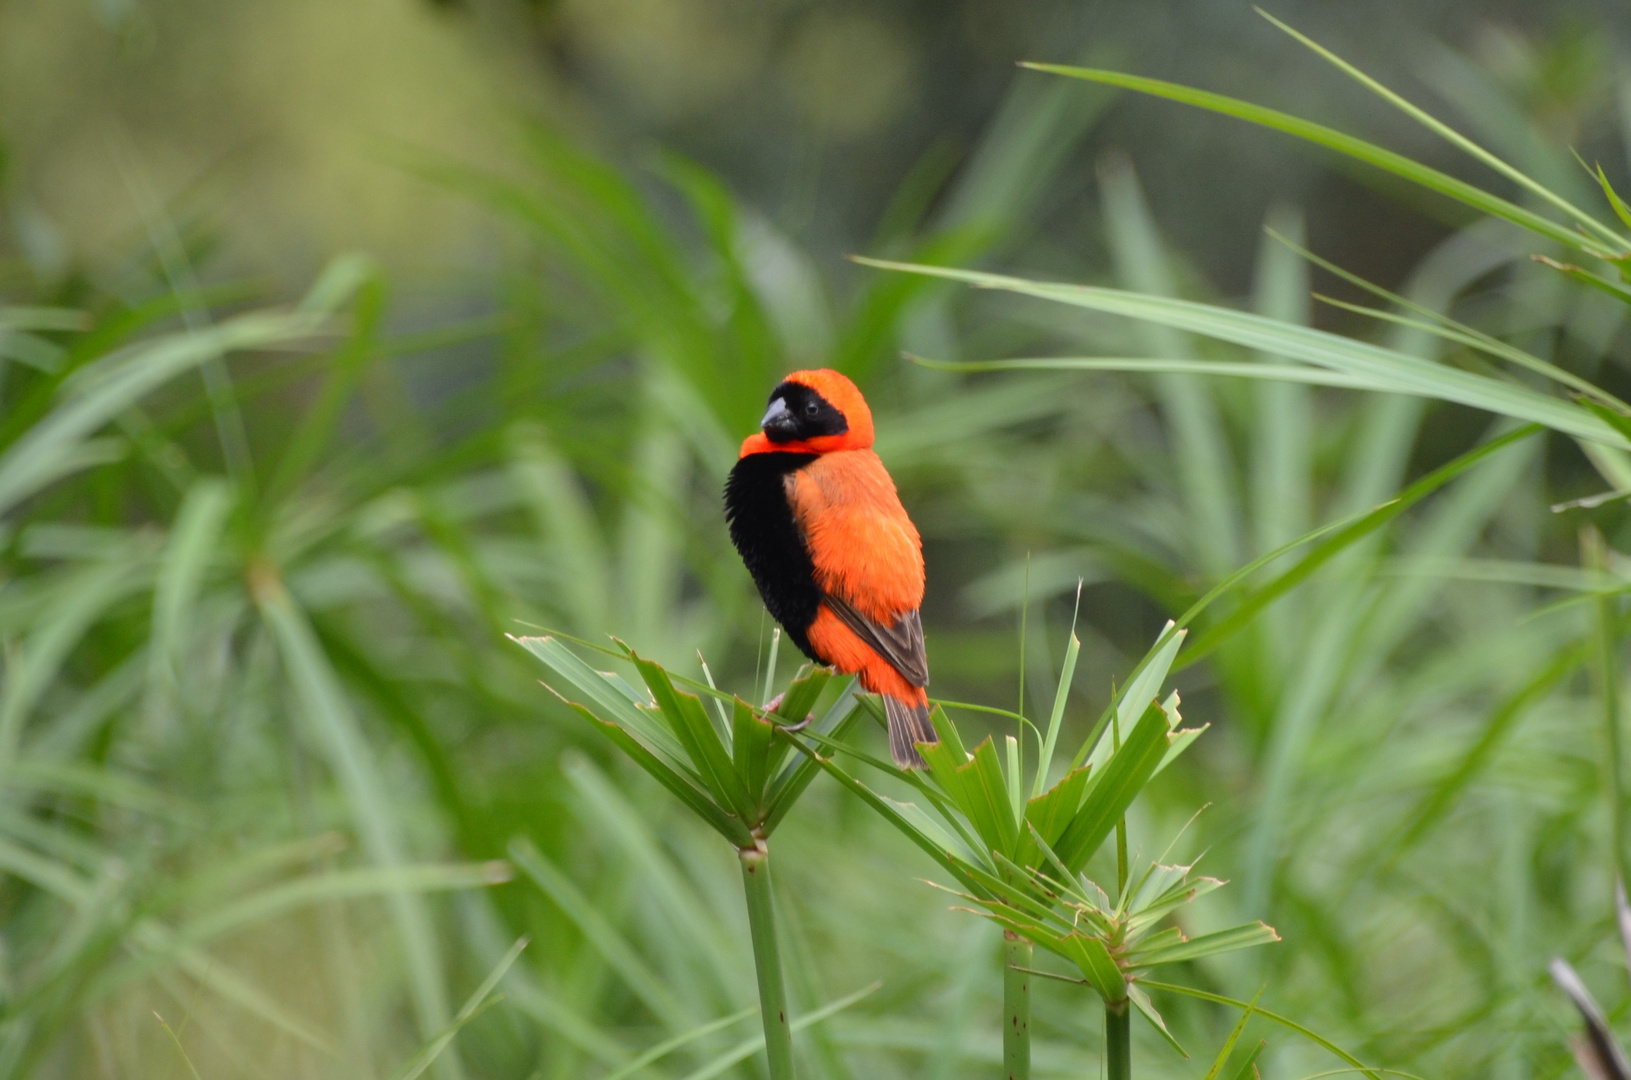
816, 519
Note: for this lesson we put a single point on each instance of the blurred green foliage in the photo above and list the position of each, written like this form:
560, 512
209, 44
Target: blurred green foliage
261, 737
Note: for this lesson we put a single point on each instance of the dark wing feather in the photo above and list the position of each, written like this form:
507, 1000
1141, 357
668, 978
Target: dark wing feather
900, 644
908, 726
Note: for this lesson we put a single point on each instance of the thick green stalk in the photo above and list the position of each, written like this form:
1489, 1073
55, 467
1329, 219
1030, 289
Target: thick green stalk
767, 959
1016, 1006
1118, 1040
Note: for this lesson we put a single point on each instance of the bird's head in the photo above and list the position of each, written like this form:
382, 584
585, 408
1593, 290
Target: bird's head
813, 412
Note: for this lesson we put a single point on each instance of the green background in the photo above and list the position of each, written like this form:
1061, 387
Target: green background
261, 733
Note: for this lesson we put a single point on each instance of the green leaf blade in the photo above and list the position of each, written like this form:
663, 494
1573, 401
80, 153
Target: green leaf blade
1331, 139
1120, 782
1248, 936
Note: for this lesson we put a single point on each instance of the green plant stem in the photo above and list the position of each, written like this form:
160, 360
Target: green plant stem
1118, 1040
1016, 1006
1608, 678
767, 959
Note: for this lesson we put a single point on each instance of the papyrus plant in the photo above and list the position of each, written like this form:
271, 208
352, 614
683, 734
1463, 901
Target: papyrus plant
732, 769
1114, 944
1017, 846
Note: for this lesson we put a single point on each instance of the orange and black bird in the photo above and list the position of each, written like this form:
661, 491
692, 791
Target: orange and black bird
839, 564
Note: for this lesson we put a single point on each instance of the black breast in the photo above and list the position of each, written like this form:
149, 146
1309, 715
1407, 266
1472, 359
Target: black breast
769, 540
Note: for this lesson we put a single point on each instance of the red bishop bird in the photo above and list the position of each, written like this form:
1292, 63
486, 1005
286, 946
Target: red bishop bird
816, 519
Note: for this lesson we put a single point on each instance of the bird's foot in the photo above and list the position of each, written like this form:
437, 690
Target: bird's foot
776, 702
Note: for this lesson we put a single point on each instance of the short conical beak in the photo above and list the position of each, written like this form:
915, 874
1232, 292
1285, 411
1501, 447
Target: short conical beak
778, 421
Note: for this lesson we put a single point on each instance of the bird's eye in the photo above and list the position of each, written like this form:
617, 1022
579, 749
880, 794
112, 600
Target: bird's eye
811, 408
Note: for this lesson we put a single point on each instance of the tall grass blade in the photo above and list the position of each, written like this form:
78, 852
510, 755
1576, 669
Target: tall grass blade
1289, 373
1401, 373
1345, 538
1331, 139
1234, 1037
99, 393
1200, 452
1455, 138
83, 597
748, 1047
1284, 1021
336, 732
185, 563
636, 974
473, 1005
678, 1042
1282, 438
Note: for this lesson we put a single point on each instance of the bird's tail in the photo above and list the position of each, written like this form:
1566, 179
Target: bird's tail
908, 725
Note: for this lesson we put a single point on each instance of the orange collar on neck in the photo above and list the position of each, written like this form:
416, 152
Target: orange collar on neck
759, 443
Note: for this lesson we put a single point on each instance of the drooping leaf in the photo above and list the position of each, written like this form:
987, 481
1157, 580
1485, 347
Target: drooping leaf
1401, 372
1278, 1018
1584, 221
1145, 1006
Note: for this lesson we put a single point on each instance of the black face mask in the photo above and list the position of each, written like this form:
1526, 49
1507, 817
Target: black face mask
797, 413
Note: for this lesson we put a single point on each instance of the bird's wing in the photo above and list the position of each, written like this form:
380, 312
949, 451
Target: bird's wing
866, 552
901, 643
